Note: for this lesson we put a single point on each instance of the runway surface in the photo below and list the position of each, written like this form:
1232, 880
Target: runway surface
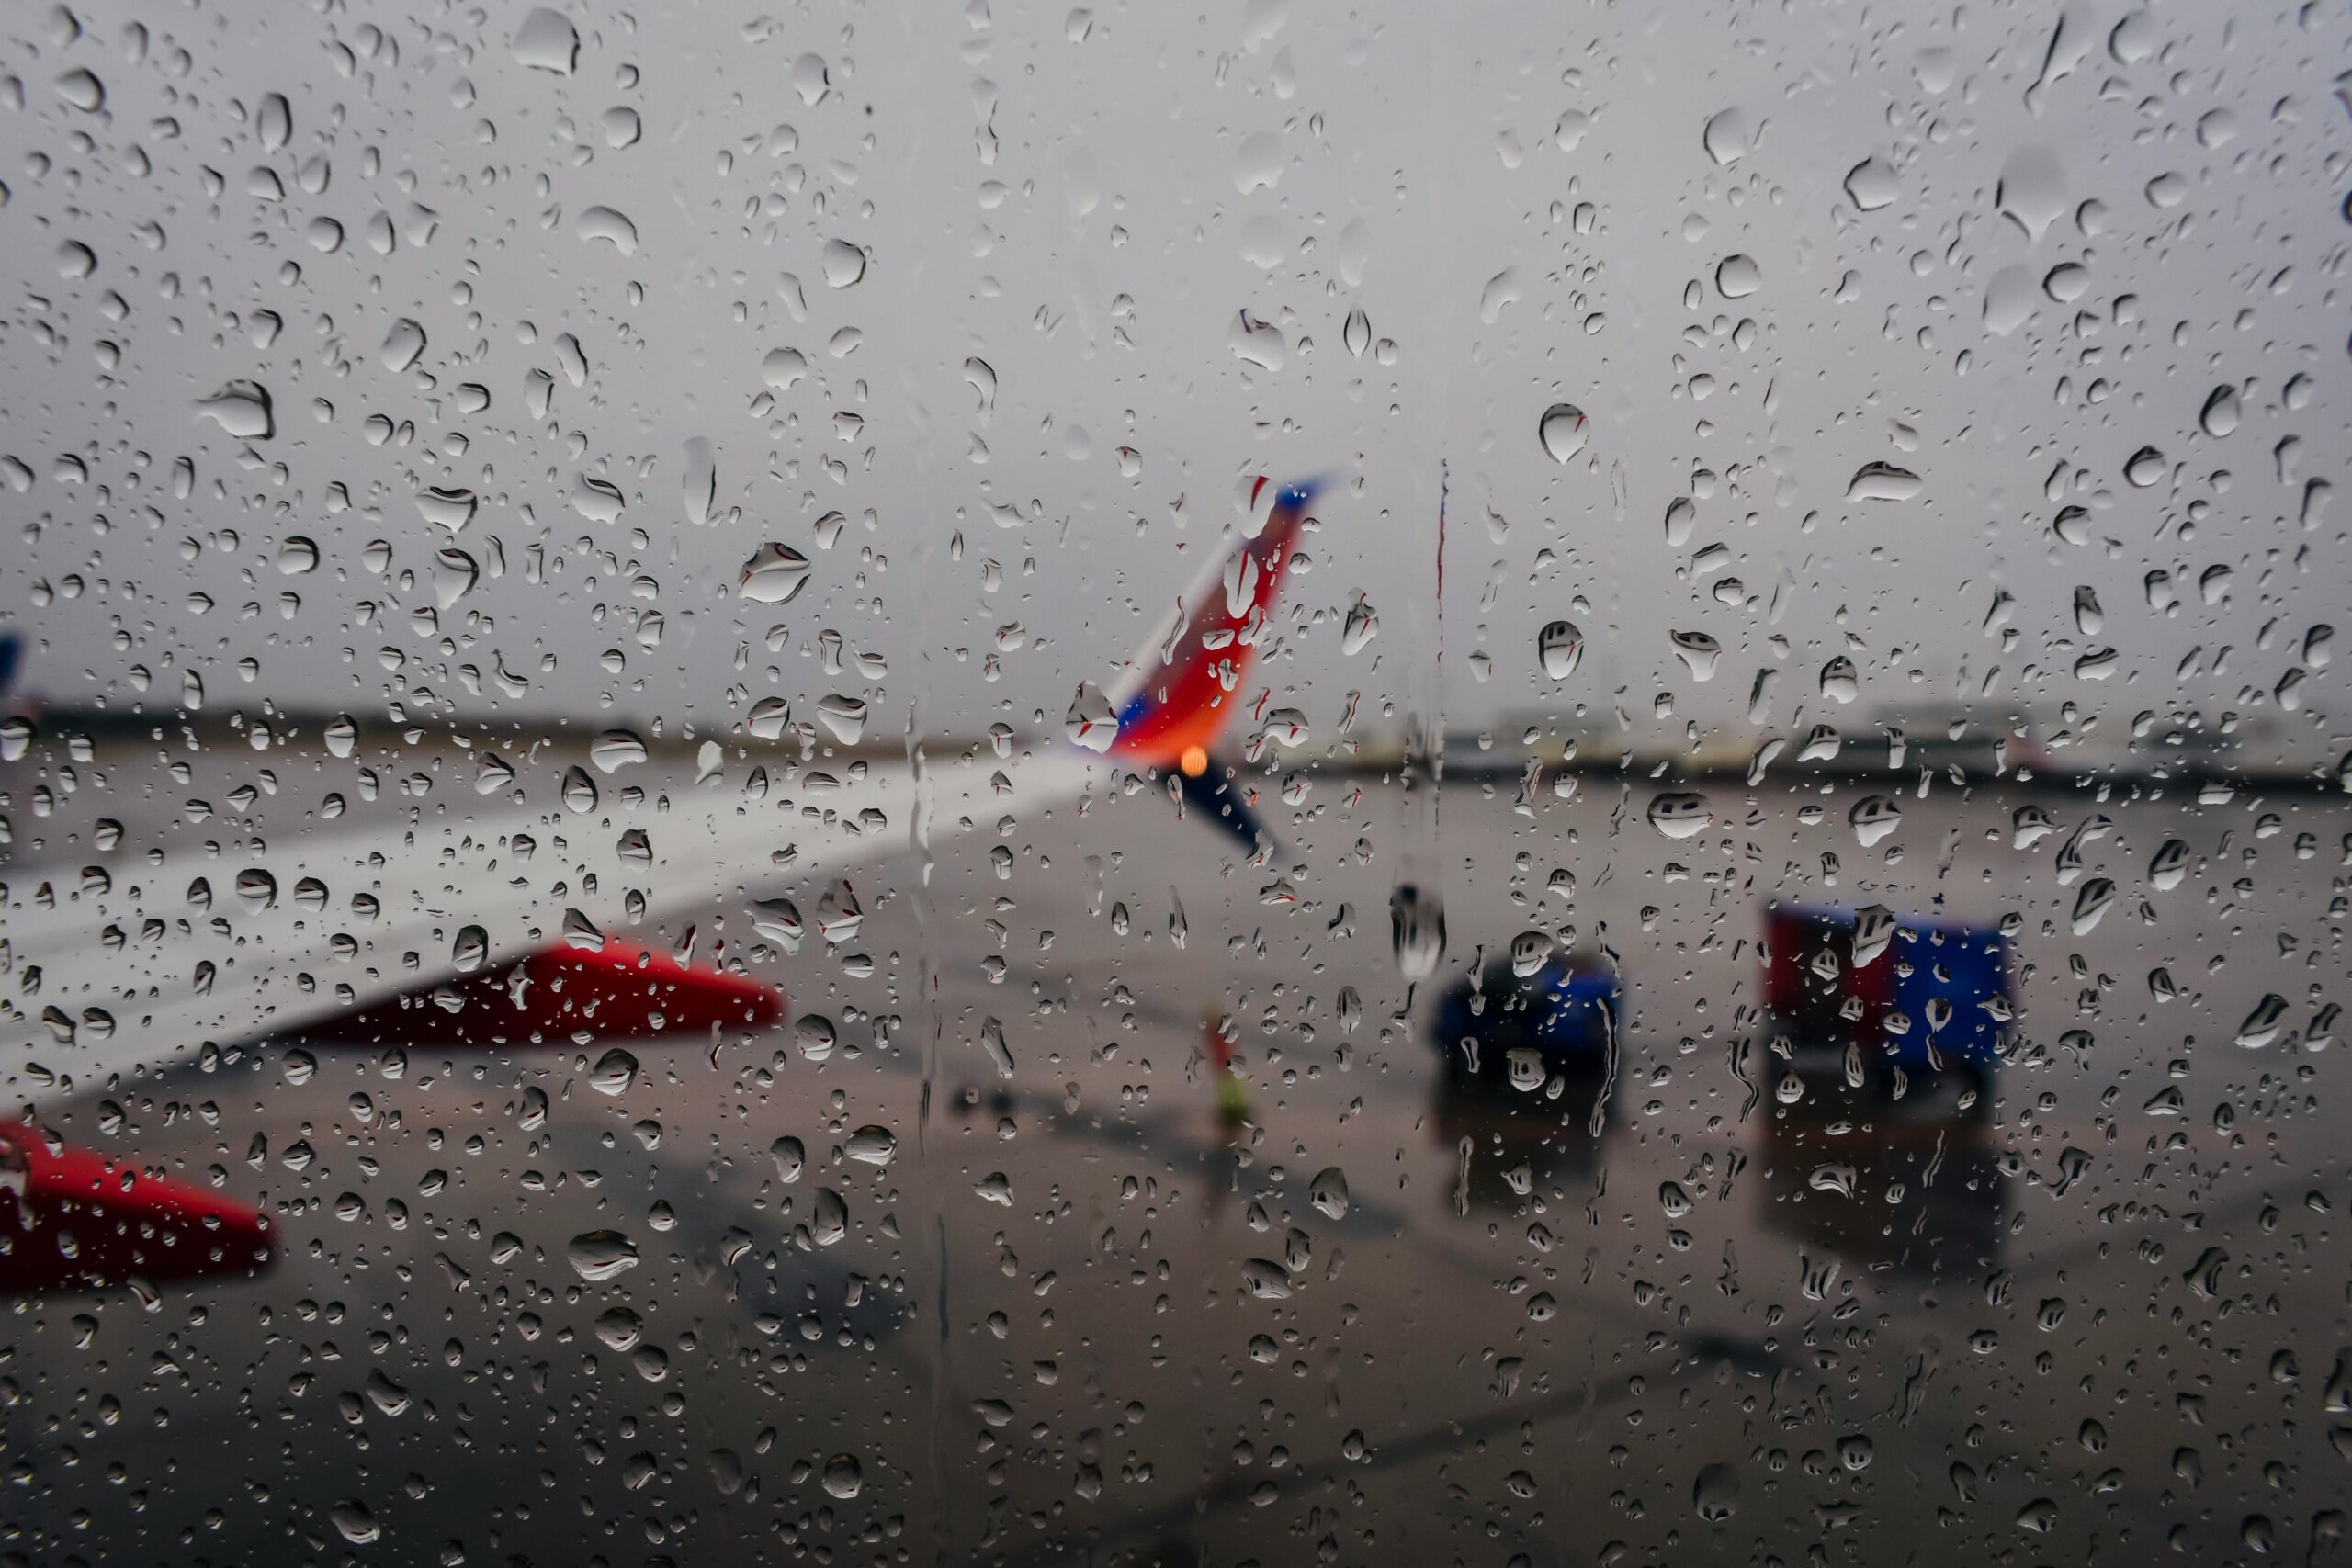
534, 1303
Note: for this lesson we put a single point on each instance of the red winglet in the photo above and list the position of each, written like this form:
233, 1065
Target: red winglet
623, 989
618, 989
75, 1221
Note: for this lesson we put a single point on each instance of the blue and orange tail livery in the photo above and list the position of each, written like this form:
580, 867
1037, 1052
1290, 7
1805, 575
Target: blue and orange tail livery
1184, 685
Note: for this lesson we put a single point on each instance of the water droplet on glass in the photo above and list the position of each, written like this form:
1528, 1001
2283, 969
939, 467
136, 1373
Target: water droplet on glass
768, 717
1714, 1493
790, 1158
599, 500
2088, 618
828, 1218
1091, 723
773, 575
2032, 189
2221, 413
611, 226
1698, 652
1680, 814
1681, 517
1258, 164
450, 509
844, 717
1559, 645
617, 749
615, 1071
618, 1328
453, 576
243, 409
1257, 342
403, 345
845, 264
1870, 185
2009, 300
2066, 282
275, 122
839, 914
2261, 1026
1357, 334
578, 791
1874, 817
1737, 276
1523, 1068
2145, 467
1266, 1279
810, 80
698, 481
1502, 290
600, 1254
1838, 1179
981, 375
1882, 482
354, 1522
782, 369
1728, 135
1416, 930
81, 88
992, 1041
1561, 429
872, 1146
547, 42
1328, 1192
256, 889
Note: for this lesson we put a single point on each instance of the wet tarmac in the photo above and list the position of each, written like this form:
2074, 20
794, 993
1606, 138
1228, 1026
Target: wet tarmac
1118, 1304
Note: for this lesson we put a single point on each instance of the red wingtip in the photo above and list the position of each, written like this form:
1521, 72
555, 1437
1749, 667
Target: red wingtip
75, 1221
618, 989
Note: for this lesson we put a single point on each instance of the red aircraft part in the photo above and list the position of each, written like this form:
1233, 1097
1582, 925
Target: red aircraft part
1183, 705
1800, 994
615, 990
75, 1221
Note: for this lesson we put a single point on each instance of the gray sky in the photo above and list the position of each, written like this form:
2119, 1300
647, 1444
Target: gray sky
1088, 203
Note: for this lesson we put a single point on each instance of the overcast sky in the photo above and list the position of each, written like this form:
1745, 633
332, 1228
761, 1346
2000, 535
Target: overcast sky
2063, 238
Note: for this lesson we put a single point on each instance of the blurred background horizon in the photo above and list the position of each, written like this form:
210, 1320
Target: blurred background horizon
1995, 377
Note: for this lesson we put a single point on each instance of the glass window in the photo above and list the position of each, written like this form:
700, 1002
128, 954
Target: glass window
1169, 784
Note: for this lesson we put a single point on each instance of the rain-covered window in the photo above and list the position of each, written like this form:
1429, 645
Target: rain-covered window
1172, 784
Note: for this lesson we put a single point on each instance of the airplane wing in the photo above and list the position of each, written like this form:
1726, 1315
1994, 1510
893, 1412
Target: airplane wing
154, 970
515, 916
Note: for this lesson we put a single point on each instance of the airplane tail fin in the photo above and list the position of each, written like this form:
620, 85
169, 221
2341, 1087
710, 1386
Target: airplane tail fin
1184, 683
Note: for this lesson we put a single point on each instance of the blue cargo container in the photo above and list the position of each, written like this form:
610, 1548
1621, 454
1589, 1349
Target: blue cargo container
1940, 982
